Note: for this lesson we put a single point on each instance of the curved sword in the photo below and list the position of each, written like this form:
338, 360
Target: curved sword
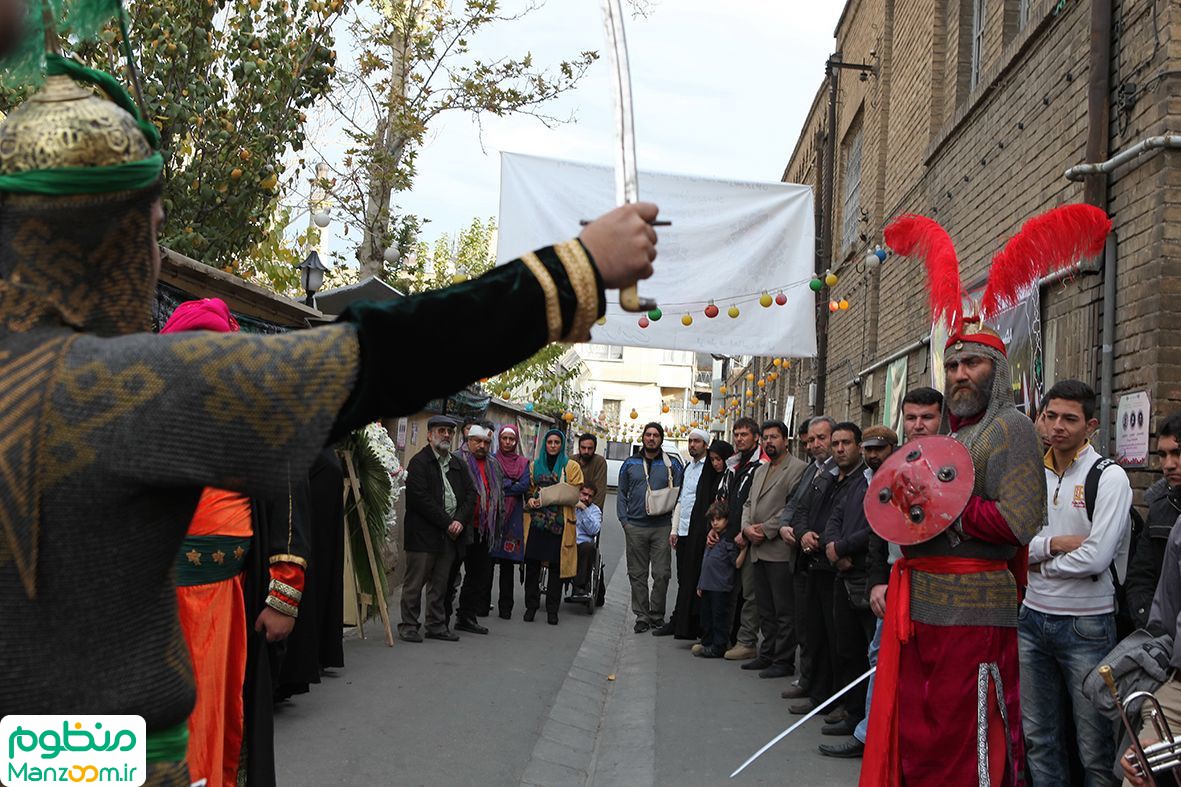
627, 187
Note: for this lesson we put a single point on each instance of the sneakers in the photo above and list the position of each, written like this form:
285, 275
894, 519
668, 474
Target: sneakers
641, 626
410, 635
664, 631
741, 652
708, 653
849, 749
696, 649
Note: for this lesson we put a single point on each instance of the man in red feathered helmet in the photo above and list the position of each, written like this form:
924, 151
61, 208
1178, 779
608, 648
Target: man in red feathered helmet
950, 637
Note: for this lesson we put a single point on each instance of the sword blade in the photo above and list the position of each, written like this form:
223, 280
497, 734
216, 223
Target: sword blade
793, 727
627, 186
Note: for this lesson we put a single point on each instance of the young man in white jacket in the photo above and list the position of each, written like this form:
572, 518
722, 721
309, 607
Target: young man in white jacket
1067, 621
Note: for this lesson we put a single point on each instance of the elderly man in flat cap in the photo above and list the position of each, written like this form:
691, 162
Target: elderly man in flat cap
440, 498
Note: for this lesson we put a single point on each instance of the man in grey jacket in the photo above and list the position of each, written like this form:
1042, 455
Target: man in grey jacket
774, 482
648, 550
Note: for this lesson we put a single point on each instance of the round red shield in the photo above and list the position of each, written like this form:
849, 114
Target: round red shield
920, 490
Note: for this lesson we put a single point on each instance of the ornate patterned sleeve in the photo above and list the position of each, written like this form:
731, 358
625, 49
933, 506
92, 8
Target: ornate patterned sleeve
235, 411
435, 343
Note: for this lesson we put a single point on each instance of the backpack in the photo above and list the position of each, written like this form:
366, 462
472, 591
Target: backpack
1123, 617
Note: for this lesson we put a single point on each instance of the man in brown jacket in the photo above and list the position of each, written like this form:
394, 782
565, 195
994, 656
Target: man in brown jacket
772, 485
594, 467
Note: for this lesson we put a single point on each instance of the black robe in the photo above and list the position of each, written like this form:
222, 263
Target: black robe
279, 529
315, 642
691, 550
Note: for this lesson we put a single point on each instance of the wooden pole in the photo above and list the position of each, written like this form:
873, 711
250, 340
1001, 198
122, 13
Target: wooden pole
348, 559
373, 565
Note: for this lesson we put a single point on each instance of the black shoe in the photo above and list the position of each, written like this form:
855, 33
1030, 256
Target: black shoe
446, 635
848, 750
529, 615
410, 635
506, 614
712, 653
471, 627
664, 631
640, 627
757, 663
776, 671
551, 618
800, 708
841, 728
794, 693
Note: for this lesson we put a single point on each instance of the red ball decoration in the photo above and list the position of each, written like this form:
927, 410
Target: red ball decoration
781, 299
644, 322
711, 311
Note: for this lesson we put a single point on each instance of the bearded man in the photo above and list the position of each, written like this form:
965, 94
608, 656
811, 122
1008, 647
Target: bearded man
960, 648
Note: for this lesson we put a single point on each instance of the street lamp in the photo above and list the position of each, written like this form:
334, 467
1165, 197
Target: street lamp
311, 275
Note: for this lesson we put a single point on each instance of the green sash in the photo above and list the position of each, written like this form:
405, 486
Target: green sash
168, 745
203, 560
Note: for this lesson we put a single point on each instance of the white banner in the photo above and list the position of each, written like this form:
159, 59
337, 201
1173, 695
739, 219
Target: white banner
729, 243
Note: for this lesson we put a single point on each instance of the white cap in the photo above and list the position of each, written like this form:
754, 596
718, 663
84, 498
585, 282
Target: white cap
479, 432
701, 433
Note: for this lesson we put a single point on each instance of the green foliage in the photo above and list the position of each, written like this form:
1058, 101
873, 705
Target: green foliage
375, 498
416, 64
227, 82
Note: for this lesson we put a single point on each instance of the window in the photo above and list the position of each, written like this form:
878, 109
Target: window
851, 203
1023, 14
618, 451
676, 357
603, 352
611, 410
978, 7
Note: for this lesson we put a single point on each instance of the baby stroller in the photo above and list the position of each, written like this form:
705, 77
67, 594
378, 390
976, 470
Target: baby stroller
596, 587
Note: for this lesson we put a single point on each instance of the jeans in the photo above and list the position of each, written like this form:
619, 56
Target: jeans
648, 547
874, 646
1057, 652
715, 618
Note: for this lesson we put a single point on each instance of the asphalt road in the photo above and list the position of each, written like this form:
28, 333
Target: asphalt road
533, 704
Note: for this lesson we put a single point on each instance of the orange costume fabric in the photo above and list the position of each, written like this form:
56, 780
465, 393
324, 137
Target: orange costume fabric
213, 618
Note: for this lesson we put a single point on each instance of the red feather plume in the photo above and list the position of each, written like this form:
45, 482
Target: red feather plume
919, 236
1047, 243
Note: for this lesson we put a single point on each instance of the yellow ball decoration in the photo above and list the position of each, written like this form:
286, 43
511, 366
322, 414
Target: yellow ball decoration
693, 424
777, 362
844, 305
762, 383
633, 414
601, 321
749, 393
664, 409
693, 400
750, 377
687, 320
765, 300
568, 417
458, 278
733, 312
831, 280
722, 390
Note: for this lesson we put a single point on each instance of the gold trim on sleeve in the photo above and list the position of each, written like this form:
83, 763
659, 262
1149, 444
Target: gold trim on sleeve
553, 310
286, 558
582, 279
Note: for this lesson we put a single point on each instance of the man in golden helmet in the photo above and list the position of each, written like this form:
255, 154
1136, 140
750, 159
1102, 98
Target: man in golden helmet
108, 433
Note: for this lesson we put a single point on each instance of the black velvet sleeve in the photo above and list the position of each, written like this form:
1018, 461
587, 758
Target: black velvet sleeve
435, 343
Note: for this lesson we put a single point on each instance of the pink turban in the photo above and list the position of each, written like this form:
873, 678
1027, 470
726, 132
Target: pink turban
207, 314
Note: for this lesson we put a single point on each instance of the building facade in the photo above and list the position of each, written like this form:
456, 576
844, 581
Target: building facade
971, 112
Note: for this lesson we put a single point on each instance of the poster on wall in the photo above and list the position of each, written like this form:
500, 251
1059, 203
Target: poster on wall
895, 391
1131, 429
400, 442
1020, 328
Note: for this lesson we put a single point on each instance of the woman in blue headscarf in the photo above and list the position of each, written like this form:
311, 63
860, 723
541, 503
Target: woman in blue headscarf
550, 531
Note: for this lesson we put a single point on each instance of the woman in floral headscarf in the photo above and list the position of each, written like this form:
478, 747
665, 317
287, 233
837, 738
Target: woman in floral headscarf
507, 547
550, 531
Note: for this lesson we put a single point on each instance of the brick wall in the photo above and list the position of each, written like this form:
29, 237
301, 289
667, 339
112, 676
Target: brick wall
981, 160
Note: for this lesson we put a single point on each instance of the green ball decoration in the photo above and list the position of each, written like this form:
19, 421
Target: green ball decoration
816, 285
655, 315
